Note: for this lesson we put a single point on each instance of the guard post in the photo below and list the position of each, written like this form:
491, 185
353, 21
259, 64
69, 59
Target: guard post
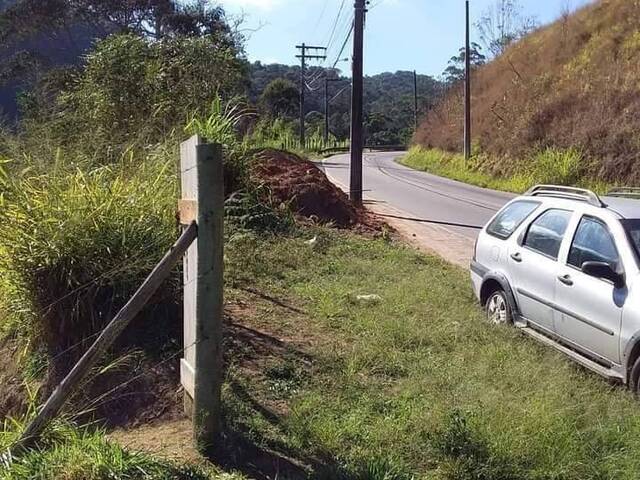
201, 369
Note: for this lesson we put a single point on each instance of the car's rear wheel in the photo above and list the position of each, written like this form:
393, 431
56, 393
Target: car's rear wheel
498, 309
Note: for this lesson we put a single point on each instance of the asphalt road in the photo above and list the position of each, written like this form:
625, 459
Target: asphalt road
425, 198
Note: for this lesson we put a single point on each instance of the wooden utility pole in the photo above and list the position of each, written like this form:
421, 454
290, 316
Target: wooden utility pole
467, 87
304, 56
357, 137
415, 99
201, 369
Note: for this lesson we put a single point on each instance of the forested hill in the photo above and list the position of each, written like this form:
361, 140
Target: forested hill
388, 99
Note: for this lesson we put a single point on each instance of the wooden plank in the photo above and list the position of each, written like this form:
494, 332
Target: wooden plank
187, 377
189, 183
187, 211
84, 366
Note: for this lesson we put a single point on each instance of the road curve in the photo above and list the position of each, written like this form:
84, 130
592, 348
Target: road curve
421, 197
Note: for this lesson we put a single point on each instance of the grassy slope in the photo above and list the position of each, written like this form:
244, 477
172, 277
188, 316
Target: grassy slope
572, 84
545, 167
419, 383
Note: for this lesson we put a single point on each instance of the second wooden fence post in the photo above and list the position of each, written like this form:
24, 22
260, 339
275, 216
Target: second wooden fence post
202, 366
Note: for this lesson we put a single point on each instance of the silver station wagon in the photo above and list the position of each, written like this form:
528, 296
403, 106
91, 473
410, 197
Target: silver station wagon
563, 265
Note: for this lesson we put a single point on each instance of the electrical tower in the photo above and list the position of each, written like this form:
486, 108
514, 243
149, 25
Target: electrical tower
304, 56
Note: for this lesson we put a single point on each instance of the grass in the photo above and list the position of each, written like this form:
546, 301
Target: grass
418, 385
70, 453
545, 167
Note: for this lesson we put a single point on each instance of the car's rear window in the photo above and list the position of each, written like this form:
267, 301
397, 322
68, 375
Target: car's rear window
510, 218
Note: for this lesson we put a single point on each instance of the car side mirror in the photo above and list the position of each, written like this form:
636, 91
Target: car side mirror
604, 270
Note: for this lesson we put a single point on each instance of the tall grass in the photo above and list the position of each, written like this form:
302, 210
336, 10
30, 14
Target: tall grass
77, 240
280, 134
550, 166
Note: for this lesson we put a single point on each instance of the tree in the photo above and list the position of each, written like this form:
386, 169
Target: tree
133, 87
280, 99
150, 18
455, 71
502, 24
28, 27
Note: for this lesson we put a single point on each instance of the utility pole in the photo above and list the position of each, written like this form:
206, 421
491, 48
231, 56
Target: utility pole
303, 85
467, 89
415, 99
357, 137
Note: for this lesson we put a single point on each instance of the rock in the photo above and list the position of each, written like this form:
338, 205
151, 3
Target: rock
369, 298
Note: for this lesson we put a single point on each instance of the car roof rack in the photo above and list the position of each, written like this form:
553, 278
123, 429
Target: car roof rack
570, 193
624, 192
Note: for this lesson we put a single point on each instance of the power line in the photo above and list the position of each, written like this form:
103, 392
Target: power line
335, 23
344, 45
341, 32
320, 17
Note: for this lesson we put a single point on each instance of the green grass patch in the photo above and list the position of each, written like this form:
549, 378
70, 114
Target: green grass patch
559, 167
71, 453
419, 384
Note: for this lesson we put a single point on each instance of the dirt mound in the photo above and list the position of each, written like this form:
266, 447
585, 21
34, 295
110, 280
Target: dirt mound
301, 184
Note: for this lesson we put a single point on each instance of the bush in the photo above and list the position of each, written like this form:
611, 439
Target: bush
133, 88
77, 242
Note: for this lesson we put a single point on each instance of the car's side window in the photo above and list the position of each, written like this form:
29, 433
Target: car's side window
546, 232
593, 243
509, 219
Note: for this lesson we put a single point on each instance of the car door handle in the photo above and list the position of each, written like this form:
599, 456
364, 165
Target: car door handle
517, 257
566, 279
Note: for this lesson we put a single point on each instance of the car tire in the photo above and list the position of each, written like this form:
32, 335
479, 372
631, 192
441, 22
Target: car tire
498, 309
634, 378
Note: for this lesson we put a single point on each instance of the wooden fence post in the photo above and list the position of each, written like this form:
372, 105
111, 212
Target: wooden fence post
201, 368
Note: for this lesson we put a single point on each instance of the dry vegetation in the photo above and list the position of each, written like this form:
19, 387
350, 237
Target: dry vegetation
573, 84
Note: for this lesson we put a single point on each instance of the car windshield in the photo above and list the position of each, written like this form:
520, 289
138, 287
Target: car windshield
632, 227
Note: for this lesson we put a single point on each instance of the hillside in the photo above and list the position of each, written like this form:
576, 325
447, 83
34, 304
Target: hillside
388, 99
572, 84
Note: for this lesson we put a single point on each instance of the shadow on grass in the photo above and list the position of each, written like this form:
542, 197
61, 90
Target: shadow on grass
255, 424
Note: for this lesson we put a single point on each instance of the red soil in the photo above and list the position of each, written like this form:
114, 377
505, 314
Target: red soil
301, 184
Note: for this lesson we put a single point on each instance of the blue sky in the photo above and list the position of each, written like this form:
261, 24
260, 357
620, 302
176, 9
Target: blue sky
400, 34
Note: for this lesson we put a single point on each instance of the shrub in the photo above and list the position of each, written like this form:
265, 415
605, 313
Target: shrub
76, 243
132, 87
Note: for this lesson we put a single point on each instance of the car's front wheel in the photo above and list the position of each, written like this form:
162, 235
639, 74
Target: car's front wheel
634, 377
498, 309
